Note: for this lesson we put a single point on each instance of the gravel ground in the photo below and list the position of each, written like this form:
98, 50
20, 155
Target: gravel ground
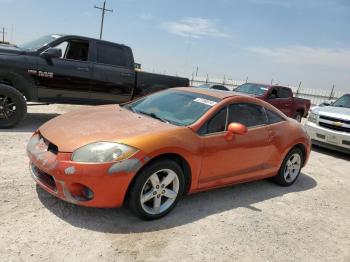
250, 222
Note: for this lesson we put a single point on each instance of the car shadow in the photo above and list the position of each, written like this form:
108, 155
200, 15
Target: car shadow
332, 153
31, 122
190, 208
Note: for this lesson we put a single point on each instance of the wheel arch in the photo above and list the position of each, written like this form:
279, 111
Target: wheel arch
22, 84
303, 151
183, 163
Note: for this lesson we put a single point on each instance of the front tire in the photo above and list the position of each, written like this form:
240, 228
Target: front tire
13, 106
290, 168
156, 190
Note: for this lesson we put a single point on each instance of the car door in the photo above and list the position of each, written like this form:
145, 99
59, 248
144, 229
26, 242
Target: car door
68, 78
113, 74
244, 157
281, 98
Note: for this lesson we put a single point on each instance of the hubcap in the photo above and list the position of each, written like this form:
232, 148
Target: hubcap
160, 191
292, 168
7, 107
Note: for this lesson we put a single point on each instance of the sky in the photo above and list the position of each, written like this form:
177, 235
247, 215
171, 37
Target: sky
284, 41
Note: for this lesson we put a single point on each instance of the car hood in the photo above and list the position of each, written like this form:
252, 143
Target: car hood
332, 111
101, 123
8, 49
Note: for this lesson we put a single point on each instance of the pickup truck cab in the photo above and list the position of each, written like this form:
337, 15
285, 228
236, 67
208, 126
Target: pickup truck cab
71, 69
279, 96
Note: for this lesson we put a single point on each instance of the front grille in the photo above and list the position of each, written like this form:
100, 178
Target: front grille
44, 178
335, 119
333, 127
346, 142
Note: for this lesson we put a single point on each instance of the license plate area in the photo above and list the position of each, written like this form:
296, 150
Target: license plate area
332, 139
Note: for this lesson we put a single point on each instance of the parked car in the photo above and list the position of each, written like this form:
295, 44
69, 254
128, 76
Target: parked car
149, 152
329, 126
280, 97
71, 69
214, 86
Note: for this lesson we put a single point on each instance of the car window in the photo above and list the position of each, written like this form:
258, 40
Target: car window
253, 89
250, 115
63, 46
111, 55
273, 117
284, 93
216, 124
174, 106
273, 93
219, 87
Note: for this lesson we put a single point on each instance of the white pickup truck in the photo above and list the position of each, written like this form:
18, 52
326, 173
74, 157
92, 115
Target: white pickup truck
329, 126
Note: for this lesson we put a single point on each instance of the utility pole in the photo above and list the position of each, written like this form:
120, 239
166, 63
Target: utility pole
3, 34
103, 9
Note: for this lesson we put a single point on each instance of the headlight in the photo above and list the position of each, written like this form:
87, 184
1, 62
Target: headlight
312, 117
103, 152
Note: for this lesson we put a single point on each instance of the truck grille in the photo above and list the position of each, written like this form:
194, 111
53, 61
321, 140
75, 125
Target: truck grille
333, 123
335, 119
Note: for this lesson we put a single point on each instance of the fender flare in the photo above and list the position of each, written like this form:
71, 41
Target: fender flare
24, 84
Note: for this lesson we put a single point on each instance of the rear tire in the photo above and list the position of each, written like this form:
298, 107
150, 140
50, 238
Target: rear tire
290, 168
156, 190
298, 116
13, 106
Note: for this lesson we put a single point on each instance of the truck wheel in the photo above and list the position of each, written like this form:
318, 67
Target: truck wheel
298, 116
13, 106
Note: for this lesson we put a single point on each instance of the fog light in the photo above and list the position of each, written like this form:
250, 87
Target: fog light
80, 192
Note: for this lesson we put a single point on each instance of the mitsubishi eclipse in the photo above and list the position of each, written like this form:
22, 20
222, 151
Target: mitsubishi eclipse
149, 152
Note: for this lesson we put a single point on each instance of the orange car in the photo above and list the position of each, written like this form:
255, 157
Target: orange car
151, 151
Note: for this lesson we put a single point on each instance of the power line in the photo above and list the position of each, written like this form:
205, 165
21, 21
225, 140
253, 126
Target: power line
103, 9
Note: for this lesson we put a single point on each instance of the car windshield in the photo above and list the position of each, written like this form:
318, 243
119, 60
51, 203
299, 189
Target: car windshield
176, 107
253, 89
38, 43
343, 101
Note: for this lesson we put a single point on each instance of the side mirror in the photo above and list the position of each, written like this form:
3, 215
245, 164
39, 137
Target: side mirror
326, 103
235, 128
52, 53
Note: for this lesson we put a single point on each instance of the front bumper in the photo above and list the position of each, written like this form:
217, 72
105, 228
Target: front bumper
324, 137
87, 184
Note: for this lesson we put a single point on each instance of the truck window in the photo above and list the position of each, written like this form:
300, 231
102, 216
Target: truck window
284, 93
74, 50
111, 55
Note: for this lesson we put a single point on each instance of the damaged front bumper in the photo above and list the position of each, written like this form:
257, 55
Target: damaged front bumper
86, 184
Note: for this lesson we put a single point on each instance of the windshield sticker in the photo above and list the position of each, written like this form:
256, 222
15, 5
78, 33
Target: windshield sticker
205, 101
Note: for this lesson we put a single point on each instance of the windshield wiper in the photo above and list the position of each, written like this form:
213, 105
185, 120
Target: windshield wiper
153, 115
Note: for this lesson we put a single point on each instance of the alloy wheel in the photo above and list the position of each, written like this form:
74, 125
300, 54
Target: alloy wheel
7, 107
292, 168
160, 191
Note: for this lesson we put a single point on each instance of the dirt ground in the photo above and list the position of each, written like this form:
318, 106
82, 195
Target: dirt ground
250, 222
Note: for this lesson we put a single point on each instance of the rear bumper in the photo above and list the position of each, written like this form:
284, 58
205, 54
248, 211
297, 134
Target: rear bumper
331, 139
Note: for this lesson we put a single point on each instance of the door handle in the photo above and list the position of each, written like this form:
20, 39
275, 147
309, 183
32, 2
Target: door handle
85, 69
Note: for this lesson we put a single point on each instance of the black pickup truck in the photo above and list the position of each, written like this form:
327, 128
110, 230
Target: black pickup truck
71, 69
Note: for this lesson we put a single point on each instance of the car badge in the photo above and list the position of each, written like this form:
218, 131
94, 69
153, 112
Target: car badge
338, 123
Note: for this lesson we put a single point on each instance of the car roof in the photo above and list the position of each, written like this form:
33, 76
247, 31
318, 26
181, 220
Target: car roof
267, 85
221, 94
